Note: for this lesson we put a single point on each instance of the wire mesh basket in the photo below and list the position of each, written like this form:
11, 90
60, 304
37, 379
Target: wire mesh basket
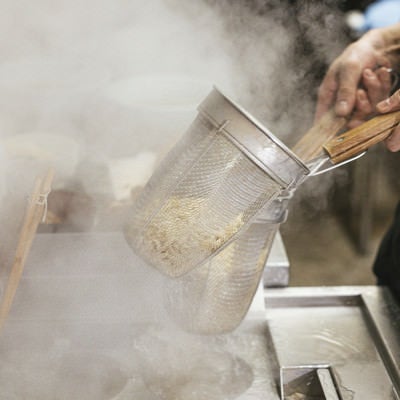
209, 188
215, 297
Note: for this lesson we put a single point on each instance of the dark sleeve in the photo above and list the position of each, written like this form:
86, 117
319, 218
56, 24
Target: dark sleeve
387, 262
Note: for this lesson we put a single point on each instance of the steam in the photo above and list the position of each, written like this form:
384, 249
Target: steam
120, 82
106, 73
102, 89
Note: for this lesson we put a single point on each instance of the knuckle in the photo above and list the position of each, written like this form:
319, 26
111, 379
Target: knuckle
345, 92
374, 83
350, 64
394, 100
386, 85
325, 96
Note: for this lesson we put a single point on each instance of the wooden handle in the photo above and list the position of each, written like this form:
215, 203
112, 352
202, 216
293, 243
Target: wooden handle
361, 138
34, 214
311, 144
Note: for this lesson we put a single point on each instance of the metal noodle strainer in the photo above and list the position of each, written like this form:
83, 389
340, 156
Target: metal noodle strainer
208, 189
214, 297
209, 213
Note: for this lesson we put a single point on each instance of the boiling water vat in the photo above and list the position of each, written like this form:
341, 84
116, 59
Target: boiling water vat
88, 320
87, 324
135, 361
175, 367
43, 375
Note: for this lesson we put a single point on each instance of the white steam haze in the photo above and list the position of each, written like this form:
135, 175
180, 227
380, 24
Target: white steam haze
100, 90
118, 78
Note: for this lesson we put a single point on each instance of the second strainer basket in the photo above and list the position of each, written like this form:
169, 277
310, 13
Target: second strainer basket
223, 171
215, 297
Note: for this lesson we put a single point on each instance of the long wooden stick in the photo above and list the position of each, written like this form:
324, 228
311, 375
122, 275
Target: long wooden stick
33, 216
322, 137
310, 145
361, 138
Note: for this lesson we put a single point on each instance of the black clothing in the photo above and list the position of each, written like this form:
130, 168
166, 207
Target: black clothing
387, 262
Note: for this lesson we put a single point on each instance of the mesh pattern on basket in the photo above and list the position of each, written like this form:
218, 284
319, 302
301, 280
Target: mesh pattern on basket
199, 198
215, 297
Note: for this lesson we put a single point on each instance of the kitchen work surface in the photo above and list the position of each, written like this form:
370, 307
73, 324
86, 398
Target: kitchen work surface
88, 322
335, 342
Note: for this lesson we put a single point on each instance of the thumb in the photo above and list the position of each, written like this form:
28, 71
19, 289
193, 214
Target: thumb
392, 103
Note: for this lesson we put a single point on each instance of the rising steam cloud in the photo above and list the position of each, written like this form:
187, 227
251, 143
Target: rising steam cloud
85, 84
101, 89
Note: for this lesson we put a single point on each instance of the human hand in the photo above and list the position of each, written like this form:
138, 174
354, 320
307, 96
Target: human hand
392, 103
373, 98
375, 87
339, 88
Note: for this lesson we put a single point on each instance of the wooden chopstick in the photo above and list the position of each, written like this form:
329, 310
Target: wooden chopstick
311, 143
34, 214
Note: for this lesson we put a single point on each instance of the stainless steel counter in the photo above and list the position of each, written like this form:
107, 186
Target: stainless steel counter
351, 332
88, 323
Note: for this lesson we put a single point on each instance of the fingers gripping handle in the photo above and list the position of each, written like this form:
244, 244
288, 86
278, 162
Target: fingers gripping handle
361, 138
